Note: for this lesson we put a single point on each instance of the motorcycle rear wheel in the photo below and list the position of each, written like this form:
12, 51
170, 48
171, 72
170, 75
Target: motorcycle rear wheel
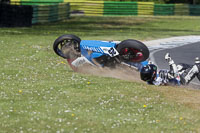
67, 46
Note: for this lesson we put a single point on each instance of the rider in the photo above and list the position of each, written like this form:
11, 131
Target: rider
177, 75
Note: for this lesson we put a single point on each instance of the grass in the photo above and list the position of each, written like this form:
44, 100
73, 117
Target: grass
115, 28
40, 93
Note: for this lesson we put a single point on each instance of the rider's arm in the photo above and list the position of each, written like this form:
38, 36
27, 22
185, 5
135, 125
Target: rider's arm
158, 81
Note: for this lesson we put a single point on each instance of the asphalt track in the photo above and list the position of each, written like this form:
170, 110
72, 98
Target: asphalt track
183, 54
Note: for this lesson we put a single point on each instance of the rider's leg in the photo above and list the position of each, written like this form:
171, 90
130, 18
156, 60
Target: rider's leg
173, 68
189, 74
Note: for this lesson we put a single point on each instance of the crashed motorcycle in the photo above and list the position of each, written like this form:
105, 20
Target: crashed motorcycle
100, 53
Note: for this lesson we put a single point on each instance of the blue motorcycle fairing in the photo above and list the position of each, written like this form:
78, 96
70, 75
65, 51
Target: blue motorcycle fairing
96, 55
91, 49
97, 44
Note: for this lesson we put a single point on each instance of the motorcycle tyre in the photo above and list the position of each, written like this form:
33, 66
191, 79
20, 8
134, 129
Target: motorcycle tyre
61, 39
137, 45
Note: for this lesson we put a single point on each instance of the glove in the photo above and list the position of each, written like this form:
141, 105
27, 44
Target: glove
168, 59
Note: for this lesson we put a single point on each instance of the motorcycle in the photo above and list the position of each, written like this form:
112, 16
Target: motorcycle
100, 53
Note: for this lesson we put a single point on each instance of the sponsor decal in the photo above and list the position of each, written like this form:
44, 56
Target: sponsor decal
94, 49
110, 51
107, 50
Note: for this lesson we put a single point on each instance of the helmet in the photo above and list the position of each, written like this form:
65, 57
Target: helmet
148, 72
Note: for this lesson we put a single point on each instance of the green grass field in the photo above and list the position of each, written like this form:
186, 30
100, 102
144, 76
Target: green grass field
40, 93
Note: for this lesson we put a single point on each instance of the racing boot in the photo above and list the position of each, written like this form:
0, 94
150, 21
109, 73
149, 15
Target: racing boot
190, 73
173, 68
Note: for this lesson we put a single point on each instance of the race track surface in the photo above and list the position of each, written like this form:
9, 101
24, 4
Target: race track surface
182, 54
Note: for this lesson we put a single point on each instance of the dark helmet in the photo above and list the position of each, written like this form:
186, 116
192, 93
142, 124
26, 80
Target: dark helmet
148, 72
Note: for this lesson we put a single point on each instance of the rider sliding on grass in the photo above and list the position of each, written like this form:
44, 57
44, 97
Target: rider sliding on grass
180, 74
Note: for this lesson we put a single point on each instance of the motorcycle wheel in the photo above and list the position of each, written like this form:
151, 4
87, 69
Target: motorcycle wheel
67, 46
133, 51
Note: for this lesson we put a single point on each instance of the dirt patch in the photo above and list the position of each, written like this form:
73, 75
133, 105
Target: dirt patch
120, 72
